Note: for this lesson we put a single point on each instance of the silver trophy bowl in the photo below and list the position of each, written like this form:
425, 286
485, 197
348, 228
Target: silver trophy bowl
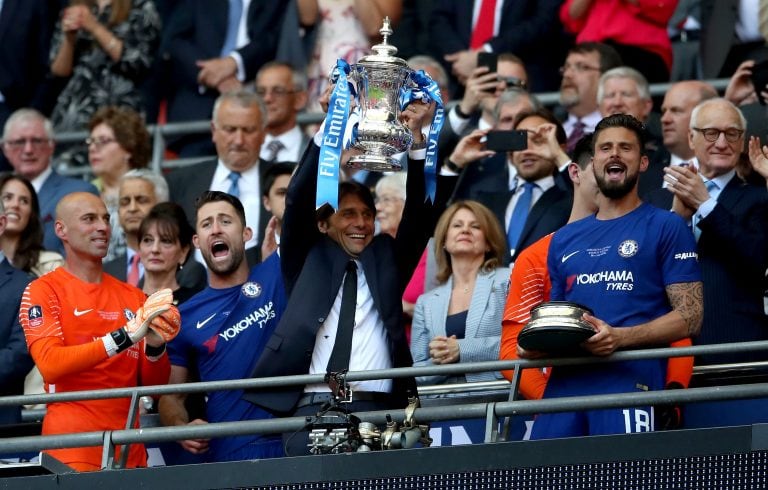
556, 327
380, 77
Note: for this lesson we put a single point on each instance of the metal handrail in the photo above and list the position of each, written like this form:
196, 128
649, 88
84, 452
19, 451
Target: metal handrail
490, 410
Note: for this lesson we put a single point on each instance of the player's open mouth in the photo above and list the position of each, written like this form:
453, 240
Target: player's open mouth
356, 236
219, 249
615, 170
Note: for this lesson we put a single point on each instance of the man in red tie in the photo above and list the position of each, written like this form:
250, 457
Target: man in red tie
459, 29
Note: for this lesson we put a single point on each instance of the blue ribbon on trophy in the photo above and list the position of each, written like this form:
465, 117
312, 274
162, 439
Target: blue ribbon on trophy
427, 90
333, 137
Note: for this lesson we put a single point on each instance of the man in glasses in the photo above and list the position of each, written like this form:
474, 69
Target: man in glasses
284, 93
28, 145
578, 89
728, 217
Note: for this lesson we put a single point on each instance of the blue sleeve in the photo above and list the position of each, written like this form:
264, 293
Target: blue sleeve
677, 252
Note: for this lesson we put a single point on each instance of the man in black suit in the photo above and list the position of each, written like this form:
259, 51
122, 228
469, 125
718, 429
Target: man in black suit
206, 57
536, 170
15, 362
526, 28
24, 54
729, 218
284, 92
316, 249
238, 133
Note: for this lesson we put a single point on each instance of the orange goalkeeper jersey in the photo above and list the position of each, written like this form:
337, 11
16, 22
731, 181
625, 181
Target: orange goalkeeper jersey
64, 319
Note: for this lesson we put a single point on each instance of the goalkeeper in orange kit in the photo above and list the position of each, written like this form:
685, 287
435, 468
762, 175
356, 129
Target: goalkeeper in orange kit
86, 330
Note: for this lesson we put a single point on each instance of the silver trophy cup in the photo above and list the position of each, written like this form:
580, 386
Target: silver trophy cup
380, 77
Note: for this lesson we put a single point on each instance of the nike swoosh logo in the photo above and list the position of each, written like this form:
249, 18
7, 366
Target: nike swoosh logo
83, 312
202, 324
566, 257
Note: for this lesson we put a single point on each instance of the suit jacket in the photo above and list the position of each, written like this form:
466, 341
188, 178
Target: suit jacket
718, 34
197, 31
15, 362
733, 254
653, 178
313, 269
24, 51
186, 184
483, 326
53, 189
527, 29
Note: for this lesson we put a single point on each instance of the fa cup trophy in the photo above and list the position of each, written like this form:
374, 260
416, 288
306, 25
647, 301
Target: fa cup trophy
380, 78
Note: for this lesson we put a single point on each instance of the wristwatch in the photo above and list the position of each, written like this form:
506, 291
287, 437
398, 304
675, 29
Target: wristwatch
420, 146
447, 163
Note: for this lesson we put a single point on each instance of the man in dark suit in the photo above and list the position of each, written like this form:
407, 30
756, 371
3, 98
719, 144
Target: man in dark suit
284, 92
24, 54
316, 249
536, 170
28, 144
238, 133
526, 28
729, 218
727, 40
15, 362
208, 55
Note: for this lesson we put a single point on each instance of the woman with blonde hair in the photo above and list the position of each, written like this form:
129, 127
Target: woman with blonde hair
460, 320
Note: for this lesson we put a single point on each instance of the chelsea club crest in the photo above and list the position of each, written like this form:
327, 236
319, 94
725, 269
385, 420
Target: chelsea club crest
251, 289
628, 248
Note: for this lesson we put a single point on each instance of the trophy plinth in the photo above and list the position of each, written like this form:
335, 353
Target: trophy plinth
380, 77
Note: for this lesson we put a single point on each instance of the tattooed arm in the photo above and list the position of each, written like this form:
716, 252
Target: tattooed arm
687, 300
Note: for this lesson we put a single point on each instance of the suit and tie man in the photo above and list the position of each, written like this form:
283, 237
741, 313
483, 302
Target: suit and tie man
728, 218
212, 51
284, 92
676, 109
28, 143
345, 287
238, 132
581, 72
531, 202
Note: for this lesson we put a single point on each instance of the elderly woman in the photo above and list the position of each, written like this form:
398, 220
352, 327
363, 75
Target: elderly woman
119, 141
460, 320
390, 202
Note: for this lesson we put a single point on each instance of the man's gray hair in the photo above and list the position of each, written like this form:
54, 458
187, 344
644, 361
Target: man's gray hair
643, 90
716, 101
513, 95
24, 115
158, 182
298, 77
420, 61
241, 98
395, 182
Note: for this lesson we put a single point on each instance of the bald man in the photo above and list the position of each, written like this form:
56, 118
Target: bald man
86, 330
676, 109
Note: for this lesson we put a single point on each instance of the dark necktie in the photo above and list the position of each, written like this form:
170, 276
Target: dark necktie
519, 216
342, 346
576, 134
274, 147
234, 189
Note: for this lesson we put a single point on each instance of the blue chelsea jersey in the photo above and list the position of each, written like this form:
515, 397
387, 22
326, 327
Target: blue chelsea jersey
223, 332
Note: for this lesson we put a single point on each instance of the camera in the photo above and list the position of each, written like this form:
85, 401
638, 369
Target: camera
334, 430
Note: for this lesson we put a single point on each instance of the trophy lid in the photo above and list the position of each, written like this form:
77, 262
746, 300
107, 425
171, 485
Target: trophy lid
383, 53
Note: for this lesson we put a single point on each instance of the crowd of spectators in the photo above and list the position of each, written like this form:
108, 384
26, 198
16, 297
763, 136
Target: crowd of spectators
236, 233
